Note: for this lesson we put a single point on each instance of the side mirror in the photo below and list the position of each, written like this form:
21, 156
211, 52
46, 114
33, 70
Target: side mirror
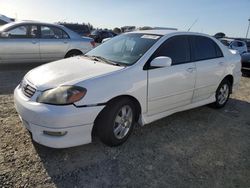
4, 34
161, 61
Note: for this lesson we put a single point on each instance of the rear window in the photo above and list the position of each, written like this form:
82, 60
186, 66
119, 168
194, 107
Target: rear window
95, 32
205, 48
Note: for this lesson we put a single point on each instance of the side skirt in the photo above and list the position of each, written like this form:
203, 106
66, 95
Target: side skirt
145, 119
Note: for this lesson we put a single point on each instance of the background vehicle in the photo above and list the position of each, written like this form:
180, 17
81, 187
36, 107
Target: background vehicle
135, 77
238, 45
32, 42
81, 29
99, 35
4, 20
245, 59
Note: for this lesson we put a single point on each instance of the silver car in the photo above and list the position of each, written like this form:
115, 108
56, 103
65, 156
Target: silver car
33, 42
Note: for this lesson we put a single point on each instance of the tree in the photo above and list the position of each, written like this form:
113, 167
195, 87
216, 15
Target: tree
117, 30
220, 35
90, 26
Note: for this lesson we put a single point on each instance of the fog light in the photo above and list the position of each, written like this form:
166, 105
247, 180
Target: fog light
50, 133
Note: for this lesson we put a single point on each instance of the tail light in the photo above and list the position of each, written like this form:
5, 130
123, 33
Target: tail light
92, 43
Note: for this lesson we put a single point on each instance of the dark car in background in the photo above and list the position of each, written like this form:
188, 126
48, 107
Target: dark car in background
245, 59
99, 35
81, 29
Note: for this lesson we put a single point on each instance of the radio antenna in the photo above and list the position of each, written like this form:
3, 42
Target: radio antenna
193, 24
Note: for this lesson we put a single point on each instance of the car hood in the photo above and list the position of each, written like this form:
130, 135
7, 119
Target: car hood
67, 72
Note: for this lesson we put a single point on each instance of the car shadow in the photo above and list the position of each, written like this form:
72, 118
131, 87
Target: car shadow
198, 147
11, 75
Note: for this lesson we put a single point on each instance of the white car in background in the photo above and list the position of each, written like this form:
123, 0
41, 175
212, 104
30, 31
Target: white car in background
37, 42
4, 20
238, 45
140, 77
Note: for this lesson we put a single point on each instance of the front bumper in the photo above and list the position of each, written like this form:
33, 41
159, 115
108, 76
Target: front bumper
37, 118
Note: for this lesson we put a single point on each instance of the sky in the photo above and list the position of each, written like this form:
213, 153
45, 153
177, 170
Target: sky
228, 16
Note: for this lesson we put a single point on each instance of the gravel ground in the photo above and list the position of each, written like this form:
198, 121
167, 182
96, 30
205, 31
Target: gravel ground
202, 147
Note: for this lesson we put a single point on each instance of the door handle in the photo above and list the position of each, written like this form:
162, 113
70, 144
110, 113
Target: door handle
34, 42
65, 42
190, 69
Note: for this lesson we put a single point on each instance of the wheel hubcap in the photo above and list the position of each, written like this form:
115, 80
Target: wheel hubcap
223, 94
123, 122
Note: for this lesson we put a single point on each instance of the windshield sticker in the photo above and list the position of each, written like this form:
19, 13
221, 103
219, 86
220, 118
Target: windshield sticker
150, 37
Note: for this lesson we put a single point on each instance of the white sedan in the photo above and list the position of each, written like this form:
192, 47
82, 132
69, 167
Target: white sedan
139, 77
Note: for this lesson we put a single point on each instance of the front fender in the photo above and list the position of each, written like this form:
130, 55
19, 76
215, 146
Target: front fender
130, 81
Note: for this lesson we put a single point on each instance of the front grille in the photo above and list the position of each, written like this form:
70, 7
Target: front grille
28, 90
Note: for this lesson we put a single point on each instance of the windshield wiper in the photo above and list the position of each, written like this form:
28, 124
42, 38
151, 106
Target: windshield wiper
107, 60
103, 59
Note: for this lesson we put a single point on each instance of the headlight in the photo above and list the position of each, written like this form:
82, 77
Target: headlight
62, 95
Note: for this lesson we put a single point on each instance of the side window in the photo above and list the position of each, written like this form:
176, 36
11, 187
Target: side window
48, 32
177, 48
240, 44
19, 32
235, 44
34, 31
205, 48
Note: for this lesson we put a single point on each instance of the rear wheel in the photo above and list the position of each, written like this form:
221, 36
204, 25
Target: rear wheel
116, 122
73, 53
222, 94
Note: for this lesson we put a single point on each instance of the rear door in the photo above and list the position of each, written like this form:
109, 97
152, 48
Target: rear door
171, 87
21, 44
54, 43
210, 65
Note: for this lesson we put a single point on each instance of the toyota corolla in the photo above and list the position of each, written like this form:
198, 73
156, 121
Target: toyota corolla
139, 77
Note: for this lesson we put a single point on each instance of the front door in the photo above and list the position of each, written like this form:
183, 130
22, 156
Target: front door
20, 45
171, 87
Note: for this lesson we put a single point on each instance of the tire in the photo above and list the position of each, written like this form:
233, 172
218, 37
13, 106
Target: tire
113, 128
222, 94
73, 53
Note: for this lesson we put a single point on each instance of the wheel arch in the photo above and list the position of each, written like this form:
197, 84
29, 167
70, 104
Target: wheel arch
72, 50
114, 99
133, 99
230, 78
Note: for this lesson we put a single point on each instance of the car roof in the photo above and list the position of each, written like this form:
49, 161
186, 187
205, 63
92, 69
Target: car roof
35, 22
155, 32
71, 33
164, 32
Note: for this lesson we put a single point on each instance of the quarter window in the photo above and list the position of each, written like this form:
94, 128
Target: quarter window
177, 48
205, 48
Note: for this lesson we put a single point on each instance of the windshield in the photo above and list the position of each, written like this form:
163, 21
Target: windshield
125, 49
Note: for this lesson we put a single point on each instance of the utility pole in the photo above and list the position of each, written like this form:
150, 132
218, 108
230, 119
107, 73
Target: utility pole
248, 27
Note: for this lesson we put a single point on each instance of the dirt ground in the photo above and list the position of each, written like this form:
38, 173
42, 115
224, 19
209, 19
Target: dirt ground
202, 147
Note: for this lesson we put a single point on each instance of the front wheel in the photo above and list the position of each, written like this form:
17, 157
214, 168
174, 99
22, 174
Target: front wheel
222, 94
116, 122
